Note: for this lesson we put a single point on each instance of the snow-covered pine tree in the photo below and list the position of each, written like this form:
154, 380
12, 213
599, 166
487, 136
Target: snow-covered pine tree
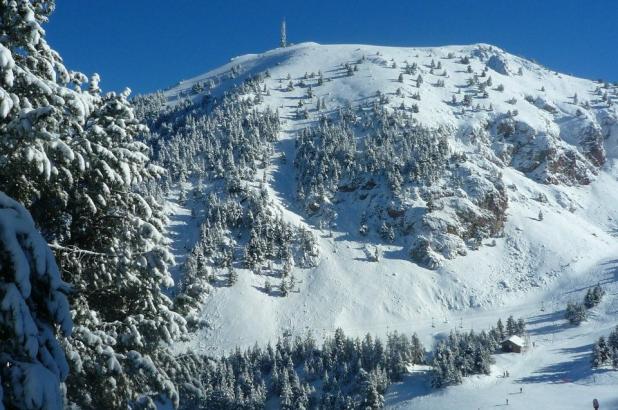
575, 313
511, 326
613, 338
232, 276
71, 158
500, 329
521, 326
34, 306
372, 399
117, 259
601, 353
284, 287
593, 296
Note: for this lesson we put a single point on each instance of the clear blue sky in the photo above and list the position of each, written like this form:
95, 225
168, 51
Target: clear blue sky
150, 44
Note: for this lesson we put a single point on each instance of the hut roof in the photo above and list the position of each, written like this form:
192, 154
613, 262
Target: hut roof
515, 340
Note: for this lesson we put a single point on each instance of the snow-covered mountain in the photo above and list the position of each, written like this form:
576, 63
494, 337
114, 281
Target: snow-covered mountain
443, 186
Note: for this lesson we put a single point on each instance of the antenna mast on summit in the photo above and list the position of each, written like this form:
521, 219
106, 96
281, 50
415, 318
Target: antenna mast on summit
284, 41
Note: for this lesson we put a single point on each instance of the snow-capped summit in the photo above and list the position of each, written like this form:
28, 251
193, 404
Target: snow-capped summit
463, 88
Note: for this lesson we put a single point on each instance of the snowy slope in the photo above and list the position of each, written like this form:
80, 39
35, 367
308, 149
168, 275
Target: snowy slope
551, 260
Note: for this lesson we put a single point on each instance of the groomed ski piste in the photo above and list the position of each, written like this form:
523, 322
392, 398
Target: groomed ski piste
532, 271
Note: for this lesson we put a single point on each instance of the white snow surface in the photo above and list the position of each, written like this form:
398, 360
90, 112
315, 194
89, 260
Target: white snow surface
535, 263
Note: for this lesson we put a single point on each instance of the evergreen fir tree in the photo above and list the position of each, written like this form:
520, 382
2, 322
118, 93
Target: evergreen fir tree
34, 309
511, 326
232, 276
521, 327
575, 313
79, 169
284, 287
500, 329
601, 353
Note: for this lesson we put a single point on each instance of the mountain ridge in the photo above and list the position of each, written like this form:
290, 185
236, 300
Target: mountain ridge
556, 182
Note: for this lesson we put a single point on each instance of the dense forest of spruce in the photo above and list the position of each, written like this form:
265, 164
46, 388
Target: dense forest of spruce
409, 182
224, 145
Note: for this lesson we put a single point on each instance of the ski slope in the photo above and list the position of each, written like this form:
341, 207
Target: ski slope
554, 373
534, 263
